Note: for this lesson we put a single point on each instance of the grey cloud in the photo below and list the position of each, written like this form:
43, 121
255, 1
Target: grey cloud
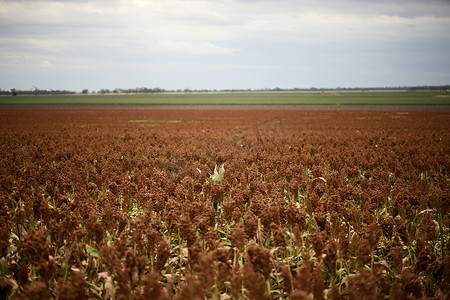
223, 44
403, 8
49, 1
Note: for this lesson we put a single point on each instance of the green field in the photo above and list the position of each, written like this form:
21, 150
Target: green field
252, 98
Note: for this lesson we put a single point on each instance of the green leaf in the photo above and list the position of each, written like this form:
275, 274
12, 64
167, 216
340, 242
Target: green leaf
3, 267
321, 178
218, 174
215, 175
13, 236
92, 251
94, 287
65, 271
221, 172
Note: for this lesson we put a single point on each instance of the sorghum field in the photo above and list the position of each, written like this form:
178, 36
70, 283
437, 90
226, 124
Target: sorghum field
220, 204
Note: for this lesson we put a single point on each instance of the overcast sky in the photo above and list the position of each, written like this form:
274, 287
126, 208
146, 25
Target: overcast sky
223, 44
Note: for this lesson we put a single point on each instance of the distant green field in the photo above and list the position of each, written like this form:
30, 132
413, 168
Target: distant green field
263, 98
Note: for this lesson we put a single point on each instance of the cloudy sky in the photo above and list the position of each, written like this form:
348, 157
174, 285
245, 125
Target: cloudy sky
223, 44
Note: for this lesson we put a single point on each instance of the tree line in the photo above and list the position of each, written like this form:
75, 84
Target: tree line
35, 92
146, 90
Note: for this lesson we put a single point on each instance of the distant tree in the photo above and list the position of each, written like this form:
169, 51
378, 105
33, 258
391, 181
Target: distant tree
13, 92
85, 91
36, 90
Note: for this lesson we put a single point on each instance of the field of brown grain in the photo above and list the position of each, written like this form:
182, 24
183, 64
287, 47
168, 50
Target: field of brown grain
126, 204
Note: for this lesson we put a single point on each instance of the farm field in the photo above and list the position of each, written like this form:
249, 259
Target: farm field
256, 98
224, 204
